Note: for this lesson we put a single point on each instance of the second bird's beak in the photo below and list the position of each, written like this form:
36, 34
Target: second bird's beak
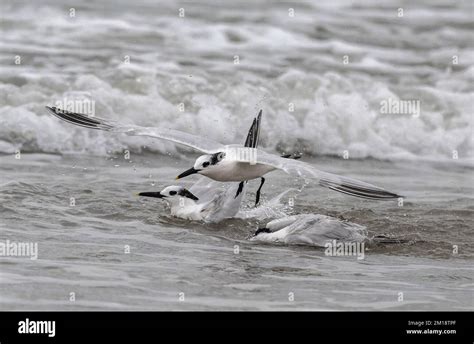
151, 194
186, 173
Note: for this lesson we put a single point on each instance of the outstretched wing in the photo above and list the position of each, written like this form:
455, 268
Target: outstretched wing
200, 143
335, 182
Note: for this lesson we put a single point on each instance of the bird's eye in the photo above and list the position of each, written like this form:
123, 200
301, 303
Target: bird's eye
172, 193
205, 164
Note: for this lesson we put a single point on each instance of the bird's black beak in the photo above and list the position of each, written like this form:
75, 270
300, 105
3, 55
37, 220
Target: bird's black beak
151, 194
186, 173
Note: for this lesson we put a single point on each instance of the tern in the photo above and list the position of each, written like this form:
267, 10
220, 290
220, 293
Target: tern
232, 163
172, 135
216, 202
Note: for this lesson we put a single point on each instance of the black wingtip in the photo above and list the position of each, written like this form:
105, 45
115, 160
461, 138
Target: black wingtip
51, 109
360, 191
254, 132
294, 156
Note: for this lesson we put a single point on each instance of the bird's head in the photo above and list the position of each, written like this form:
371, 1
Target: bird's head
203, 164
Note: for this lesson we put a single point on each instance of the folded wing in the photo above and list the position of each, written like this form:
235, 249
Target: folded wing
199, 143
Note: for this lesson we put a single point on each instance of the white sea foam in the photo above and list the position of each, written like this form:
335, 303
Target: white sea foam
282, 60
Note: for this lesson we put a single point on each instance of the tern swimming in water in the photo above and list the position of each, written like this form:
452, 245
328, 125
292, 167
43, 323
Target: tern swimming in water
232, 163
318, 230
